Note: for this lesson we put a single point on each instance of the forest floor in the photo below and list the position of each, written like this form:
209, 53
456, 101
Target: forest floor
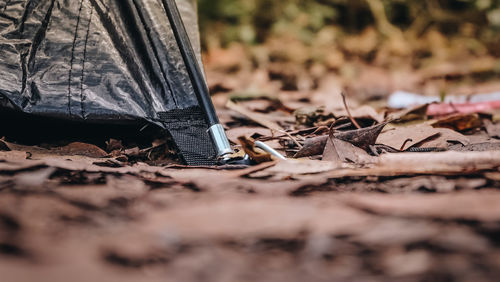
413, 194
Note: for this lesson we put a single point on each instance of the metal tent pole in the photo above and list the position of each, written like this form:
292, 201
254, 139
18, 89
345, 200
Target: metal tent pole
216, 130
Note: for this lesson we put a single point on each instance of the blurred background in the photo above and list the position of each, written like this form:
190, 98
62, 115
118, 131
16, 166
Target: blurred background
370, 47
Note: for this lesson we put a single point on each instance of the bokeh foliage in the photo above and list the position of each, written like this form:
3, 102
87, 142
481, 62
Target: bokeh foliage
254, 21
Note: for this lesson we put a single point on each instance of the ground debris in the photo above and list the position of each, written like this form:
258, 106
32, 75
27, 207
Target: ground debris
368, 192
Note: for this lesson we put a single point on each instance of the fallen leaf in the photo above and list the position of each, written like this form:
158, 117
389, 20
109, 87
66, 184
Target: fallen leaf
363, 112
330, 153
14, 165
308, 116
328, 94
312, 147
426, 163
73, 149
253, 132
4, 146
33, 179
418, 112
256, 117
418, 183
113, 145
263, 105
445, 139
495, 176
110, 163
363, 138
254, 153
340, 152
80, 149
132, 152
459, 122
493, 129
254, 104
476, 147
293, 167
16, 147
469, 205
421, 135
408, 136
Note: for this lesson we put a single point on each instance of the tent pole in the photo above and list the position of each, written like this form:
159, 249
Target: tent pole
216, 130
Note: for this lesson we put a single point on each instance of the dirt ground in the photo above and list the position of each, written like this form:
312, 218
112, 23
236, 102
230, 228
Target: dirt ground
64, 216
423, 207
70, 219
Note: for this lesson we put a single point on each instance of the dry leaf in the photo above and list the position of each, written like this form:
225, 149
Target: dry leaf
113, 145
426, 163
80, 149
4, 146
339, 152
328, 94
8, 146
33, 179
234, 133
445, 138
256, 117
312, 147
363, 138
297, 167
363, 112
255, 154
408, 136
73, 149
418, 112
459, 122
476, 147
308, 116
493, 129
469, 205
330, 153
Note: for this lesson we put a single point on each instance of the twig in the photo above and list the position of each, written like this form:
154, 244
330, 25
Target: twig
349, 112
291, 137
342, 126
322, 128
404, 144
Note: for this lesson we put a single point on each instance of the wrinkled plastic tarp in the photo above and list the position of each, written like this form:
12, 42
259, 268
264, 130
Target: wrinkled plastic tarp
94, 60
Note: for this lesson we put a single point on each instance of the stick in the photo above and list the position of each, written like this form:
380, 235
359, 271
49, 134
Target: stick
349, 112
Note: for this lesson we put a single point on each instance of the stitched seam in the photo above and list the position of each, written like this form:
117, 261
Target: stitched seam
73, 56
82, 94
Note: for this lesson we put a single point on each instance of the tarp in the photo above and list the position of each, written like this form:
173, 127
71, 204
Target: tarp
101, 61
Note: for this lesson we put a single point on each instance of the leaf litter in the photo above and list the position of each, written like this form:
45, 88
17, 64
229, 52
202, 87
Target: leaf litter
367, 192
327, 199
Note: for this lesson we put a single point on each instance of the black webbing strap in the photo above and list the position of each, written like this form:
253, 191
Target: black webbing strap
189, 131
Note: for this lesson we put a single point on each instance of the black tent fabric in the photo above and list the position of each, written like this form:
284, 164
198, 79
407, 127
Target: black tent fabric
104, 61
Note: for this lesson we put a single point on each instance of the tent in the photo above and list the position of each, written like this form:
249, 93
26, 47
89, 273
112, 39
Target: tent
102, 62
